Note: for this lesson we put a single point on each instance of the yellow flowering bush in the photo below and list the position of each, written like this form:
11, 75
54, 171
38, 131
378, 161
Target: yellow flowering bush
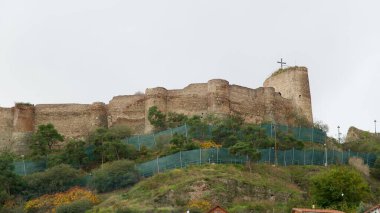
202, 205
209, 144
49, 203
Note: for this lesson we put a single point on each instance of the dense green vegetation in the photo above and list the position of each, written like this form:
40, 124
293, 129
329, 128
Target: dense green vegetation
102, 162
55, 179
44, 140
114, 175
10, 183
339, 188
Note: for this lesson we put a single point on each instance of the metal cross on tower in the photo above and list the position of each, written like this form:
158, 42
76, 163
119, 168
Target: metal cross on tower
281, 62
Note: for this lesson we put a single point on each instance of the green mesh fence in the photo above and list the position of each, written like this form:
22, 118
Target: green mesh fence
300, 133
223, 156
29, 167
270, 156
151, 140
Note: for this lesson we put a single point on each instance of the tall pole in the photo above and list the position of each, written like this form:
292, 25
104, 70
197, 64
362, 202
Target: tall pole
23, 162
375, 127
325, 154
339, 134
275, 145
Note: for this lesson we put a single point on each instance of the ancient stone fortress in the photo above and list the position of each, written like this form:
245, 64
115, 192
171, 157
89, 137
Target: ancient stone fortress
284, 96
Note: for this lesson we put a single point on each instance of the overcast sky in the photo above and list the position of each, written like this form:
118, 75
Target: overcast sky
76, 51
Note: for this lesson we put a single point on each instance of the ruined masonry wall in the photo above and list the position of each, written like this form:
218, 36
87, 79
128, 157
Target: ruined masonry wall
6, 127
72, 120
127, 110
293, 84
283, 95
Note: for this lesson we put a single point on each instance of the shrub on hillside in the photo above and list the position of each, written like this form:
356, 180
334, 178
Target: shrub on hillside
114, 175
375, 171
74, 207
11, 184
55, 179
49, 203
339, 188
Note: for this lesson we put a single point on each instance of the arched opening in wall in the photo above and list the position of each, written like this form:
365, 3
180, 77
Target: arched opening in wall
280, 93
299, 96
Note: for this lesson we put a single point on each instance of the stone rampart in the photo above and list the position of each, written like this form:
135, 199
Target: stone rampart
127, 110
284, 95
72, 120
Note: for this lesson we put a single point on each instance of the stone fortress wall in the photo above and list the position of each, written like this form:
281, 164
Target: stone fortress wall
284, 94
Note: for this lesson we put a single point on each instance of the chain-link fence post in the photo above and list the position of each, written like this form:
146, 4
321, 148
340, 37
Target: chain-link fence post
333, 156
312, 158
312, 134
271, 129
304, 157
138, 142
186, 131
180, 158
299, 133
158, 166
293, 157
200, 156
270, 150
349, 155
217, 155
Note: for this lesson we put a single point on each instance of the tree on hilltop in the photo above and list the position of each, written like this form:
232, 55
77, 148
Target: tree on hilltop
246, 149
44, 139
157, 118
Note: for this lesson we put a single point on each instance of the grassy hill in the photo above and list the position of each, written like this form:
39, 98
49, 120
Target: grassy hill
199, 188
362, 141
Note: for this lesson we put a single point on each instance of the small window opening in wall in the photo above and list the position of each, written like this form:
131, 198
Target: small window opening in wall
299, 96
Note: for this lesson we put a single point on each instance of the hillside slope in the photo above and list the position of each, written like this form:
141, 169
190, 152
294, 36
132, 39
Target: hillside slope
201, 187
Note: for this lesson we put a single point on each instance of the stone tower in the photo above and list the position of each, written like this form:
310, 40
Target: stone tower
23, 126
218, 92
155, 97
293, 83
